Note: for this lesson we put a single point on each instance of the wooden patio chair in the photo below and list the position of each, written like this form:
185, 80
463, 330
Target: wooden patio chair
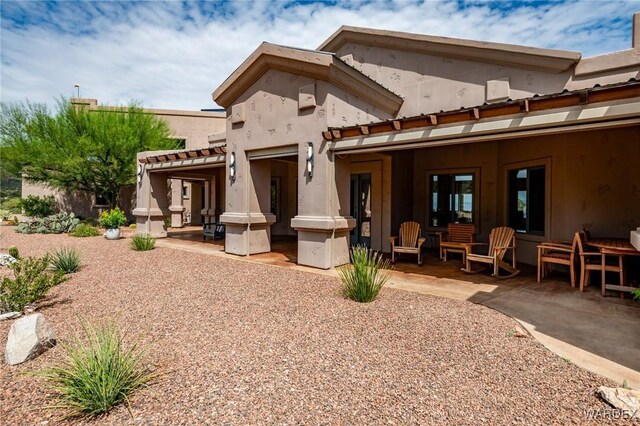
558, 253
594, 260
409, 241
500, 241
458, 238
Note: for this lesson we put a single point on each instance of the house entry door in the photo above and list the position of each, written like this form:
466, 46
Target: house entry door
361, 209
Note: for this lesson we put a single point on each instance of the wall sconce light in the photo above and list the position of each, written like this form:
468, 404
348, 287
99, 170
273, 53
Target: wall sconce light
232, 166
310, 159
139, 174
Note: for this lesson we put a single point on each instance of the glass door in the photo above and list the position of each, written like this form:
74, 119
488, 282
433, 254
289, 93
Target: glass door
361, 209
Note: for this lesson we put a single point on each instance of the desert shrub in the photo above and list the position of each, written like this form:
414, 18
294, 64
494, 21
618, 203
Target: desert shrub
112, 219
636, 295
65, 260
84, 230
31, 281
142, 242
365, 276
4, 214
13, 252
98, 372
133, 226
12, 204
35, 206
54, 224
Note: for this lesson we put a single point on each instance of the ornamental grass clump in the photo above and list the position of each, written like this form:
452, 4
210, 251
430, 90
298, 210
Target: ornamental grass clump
13, 252
99, 371
31, 281
365, 276
84, 230
65, 260
142, 242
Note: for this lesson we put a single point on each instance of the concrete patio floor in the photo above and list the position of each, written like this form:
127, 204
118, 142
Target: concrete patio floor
600, 334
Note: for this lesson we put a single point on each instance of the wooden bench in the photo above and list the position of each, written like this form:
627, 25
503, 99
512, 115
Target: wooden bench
458, 239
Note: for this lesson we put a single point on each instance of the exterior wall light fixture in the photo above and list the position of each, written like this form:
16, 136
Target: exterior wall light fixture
310, 159
232, 166
139, 174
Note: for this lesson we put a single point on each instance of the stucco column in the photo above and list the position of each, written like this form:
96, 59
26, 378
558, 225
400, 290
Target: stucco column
248, 218
323, 221
151, 202
209, 207
176, 207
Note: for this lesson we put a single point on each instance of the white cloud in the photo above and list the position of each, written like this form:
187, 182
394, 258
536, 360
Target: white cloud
172, 55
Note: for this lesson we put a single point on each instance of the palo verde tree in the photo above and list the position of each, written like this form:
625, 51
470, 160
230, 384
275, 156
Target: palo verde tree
78, 148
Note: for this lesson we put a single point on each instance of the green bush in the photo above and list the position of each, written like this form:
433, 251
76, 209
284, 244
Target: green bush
65, 260
34, 206
31, 281
4, 214
112, 219
55, 224
13, 252
12, 204
84, 230
363, 279
142, 242
636, 295
98, 372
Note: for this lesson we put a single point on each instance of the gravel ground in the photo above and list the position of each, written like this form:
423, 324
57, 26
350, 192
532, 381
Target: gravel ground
247, 343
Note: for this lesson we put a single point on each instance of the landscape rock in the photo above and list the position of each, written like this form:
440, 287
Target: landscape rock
6, 259
29, 337
10, 315
627, 400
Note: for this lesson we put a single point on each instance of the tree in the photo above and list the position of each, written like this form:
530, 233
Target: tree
78, 148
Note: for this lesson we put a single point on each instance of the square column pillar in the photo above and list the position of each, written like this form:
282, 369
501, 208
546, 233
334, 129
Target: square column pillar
248, 229
209, 208
176, 207
151, 202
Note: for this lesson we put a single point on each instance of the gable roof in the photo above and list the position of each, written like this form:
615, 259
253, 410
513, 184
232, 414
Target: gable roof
549, 60
319, 65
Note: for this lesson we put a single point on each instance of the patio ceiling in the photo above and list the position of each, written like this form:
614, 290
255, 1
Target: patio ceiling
541, 113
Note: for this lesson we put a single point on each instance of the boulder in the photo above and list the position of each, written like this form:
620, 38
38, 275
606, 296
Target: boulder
626, 400
29, 337
6, 259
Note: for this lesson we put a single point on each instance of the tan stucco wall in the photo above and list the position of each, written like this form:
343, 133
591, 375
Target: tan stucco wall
272, 118
195, 129
591, 181
80, 203
432, 83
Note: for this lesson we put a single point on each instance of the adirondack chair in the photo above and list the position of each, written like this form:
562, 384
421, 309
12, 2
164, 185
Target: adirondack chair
458, 238
409, 241
559, 253
500, 240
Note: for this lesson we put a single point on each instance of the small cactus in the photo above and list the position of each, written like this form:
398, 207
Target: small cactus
13, 252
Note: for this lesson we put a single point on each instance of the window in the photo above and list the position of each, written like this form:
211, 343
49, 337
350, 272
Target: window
452, 198
526, 199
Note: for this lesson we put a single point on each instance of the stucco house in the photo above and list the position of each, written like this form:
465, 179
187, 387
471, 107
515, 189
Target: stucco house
194, 129
339, 145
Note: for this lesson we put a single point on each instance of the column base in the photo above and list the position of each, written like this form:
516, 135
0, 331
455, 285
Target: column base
247, 234
323, 241
151, 221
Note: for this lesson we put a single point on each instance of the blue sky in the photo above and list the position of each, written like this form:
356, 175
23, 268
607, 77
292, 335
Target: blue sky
174, 54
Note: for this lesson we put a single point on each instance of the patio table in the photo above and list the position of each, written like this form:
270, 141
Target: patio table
618, 247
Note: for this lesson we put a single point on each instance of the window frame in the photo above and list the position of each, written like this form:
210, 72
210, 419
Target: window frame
475, 171
530, 164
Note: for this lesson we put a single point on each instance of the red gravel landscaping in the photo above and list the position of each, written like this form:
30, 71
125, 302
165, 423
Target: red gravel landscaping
247, 343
